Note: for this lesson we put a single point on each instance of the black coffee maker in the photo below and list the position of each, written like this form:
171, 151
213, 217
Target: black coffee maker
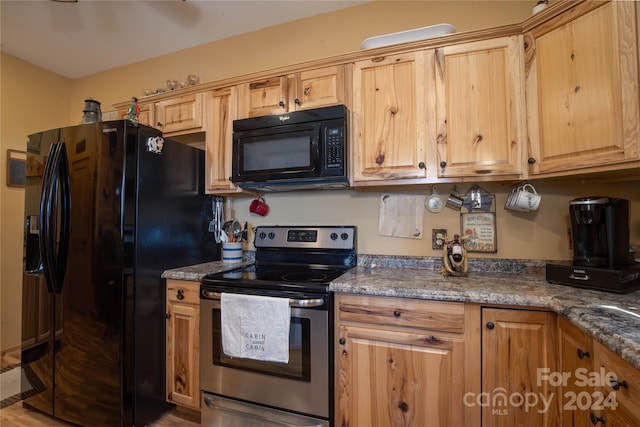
600, 230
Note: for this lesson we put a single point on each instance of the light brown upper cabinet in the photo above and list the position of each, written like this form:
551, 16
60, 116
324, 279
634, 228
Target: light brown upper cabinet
298, 91
182, 114
220, 105
480, 108
582, 90
390, 118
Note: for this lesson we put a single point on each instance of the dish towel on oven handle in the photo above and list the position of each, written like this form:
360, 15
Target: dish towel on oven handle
255, 327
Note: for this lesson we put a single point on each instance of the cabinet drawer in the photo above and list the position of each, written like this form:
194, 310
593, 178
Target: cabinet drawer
183, 291
403, 312
628, 378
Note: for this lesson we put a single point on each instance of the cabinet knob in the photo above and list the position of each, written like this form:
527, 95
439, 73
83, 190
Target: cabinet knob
167, 315
531, 160
443, 164
595, 419
421, 165
297, 101
159, 124
397, 313
490, 325
342, 341
615, 384
583, 354
180, 295
281, 104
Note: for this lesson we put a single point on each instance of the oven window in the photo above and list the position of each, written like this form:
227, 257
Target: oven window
299, 366
277, 152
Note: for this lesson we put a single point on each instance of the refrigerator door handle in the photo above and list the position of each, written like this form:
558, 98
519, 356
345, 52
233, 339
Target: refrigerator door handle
56, 192
64, 180
45, 243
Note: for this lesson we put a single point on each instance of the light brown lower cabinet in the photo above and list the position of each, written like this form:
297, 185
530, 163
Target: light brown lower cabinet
404, 362
183, 343
518, 351
617, 398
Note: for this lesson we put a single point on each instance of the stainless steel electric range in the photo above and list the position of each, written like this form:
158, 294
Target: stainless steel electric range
296, 263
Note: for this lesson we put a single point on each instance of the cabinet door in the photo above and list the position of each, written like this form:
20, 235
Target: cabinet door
620, 388
318, 88
582, 91
390, 117
575, 357
516, 346
183, 343
146, 116
179, 114
220, 107
395, 378
480, 108
263, 97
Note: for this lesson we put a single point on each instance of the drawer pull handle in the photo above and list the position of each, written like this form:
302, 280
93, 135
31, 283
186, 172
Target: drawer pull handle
583, 354
595, 419
180, 295
615, 384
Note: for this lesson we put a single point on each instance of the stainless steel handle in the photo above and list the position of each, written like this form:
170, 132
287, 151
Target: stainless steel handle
293, 302
585, 277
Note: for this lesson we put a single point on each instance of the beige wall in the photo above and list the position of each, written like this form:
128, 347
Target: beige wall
33, 100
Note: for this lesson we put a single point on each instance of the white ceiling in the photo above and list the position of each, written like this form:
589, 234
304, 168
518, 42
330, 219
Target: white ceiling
79, 39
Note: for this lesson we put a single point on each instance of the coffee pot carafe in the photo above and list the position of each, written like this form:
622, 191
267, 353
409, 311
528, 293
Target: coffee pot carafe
600, 231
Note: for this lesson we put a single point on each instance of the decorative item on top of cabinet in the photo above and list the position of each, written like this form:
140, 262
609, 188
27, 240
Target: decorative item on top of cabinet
582, 90
575, 357
390, 118
183, 343
405, 362
145, 113
298, 91
516, 345
620, 390
480, 108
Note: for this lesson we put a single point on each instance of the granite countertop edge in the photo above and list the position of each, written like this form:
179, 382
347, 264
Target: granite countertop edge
612, 319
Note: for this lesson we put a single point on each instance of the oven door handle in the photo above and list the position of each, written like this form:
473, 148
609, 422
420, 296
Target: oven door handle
293, 302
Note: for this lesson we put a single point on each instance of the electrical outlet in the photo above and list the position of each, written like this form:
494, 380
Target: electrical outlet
437, 237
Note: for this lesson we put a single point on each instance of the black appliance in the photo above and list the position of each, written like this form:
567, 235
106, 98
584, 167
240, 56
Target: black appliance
600, 231
600, 238
297, 263
299, 150
108, 207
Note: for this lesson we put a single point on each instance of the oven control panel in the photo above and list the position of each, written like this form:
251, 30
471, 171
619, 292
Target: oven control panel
318, 237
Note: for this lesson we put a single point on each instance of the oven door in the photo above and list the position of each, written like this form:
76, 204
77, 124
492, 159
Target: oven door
301, 385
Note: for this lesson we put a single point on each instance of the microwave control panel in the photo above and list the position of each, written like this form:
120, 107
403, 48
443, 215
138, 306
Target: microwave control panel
334, 147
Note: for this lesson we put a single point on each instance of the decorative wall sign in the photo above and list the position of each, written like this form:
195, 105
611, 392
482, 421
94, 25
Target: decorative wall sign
16, 168
479, 231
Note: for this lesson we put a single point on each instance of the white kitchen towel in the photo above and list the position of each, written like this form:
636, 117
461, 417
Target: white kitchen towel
255, 327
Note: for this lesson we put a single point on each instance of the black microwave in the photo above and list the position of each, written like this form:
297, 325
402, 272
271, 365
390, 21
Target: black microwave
292, 151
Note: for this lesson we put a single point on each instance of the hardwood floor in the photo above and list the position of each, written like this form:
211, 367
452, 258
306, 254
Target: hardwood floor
17, 416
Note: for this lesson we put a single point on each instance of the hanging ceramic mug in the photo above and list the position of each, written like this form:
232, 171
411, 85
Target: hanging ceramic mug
524, 198
259, 207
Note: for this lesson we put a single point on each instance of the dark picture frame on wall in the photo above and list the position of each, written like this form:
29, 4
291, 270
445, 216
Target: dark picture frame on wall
16, 168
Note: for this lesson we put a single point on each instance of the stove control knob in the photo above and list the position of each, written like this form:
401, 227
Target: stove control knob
344, 236
263, 235
272, 235
334, 236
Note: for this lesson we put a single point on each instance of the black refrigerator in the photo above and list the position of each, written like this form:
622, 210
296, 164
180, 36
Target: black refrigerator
108, 207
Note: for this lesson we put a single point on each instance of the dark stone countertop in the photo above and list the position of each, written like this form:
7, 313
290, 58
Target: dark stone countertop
612, 319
